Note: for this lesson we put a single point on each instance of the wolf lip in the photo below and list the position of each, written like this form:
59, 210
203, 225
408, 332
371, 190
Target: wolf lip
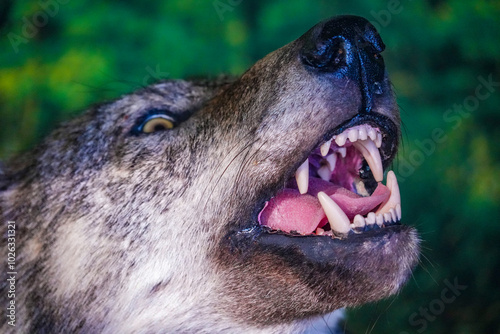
327, 195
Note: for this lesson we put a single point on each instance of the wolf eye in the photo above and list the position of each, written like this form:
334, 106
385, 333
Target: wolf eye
153, 121
157, 123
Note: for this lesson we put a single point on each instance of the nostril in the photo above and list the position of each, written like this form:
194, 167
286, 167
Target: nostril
326, 55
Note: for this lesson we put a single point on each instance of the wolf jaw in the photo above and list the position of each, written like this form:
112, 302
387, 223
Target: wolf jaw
337, 190
325, 233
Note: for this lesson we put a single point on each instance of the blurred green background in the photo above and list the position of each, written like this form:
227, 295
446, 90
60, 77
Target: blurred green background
59, 56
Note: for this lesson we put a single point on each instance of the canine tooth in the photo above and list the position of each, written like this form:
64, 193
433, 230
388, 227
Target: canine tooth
395, 198
332, 161
371, 218
393, 214
372, 133
359, 221
387, 217
342, 151
353, 135
372, 156
398, 211
379, 220
341, 139
302, 177
362, 133
337, 218
378, 141
325, 148
324, 173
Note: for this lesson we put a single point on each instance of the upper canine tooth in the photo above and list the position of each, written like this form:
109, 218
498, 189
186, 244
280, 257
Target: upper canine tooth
372, 156
302, 177
325, 148
341, 139
337, 218
332, 161
395, 198
362, 133
353, 135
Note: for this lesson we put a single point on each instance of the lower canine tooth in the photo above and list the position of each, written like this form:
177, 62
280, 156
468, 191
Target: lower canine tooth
337, 218
398, 211
302, 177
325, 148
395, 198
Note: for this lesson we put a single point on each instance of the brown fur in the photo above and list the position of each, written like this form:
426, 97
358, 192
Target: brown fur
118, 232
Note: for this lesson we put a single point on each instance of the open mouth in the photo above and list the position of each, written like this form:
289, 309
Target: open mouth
338, 189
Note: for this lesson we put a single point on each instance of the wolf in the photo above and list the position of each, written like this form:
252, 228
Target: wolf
229, 205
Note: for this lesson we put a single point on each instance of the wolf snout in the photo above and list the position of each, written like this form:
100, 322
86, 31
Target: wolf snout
347, 47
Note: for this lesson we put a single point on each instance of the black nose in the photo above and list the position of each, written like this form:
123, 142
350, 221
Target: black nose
348, 47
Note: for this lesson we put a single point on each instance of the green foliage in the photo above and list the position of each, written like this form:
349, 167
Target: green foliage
437, 53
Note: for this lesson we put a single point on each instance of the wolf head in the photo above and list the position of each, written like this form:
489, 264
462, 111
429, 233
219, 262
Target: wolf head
247, 204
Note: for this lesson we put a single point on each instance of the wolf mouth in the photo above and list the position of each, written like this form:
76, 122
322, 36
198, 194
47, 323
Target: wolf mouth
337, 190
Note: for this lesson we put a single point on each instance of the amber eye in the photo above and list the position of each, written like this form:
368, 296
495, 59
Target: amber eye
157, 123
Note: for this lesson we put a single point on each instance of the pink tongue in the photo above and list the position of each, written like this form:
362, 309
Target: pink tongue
290, 211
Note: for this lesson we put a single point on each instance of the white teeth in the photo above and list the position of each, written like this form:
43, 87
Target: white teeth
324, 173
378, 141
352, 135
325, 148
302, 177
363, 135
387, 217
398, 211
337, 218
342, 151
341, 139
393, 214
372, 156
372, 133
371, 218
359, 221
380, 220
332, 161
394, 200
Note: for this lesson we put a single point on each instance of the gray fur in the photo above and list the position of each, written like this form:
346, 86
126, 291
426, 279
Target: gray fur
122, 233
